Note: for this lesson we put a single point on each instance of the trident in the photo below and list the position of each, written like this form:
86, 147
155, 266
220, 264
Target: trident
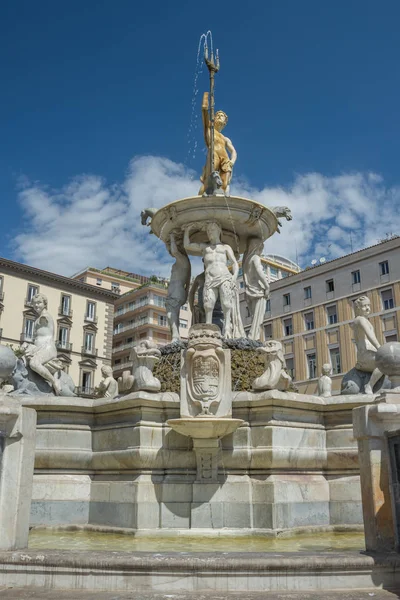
214, 181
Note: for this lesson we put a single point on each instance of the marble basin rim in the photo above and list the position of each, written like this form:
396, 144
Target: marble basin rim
237, 216
205, 427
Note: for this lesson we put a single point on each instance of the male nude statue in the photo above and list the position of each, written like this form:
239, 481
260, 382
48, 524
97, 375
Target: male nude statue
222, 163
219, 281
366, 342
43, 349
178, 287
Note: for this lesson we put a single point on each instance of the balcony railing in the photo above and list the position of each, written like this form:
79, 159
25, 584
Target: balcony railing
90, 319
89, 351
64, 346
123, 366
131, 326
85, 391
64, 311
122, 347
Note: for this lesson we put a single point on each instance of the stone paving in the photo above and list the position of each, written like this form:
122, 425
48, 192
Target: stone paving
40, 594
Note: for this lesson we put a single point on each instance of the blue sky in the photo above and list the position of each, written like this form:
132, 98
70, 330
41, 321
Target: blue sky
311, 89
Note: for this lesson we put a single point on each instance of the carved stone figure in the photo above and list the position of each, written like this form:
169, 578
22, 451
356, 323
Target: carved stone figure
178, 287
325, 382
275, 377
144, 356
223, 163
256, 286
367, 346
197, 309
282, 211
388, 361
26, 382
219, 281
147, 213
108, 386
205, 374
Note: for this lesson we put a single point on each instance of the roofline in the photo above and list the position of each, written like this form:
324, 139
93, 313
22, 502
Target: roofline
7, 264
328, 265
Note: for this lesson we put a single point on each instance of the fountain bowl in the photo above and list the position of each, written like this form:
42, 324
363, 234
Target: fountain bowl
239, 218
205, 427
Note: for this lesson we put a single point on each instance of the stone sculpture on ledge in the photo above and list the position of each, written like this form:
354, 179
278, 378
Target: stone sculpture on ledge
145, 356
365, 378
256, 286
325, 382
275, 376
108, 386
178, 287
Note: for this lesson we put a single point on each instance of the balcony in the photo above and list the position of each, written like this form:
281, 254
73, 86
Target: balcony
89, 351
90, 319
87, 392
64, 346
131, 326
123, 366
122, 347
64, 311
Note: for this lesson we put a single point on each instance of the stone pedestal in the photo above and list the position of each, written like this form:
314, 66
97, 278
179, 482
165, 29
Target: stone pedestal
376, 427
17, 454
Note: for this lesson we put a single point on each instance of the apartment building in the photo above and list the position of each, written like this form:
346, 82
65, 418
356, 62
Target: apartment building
82, 313
109, 278
311, 312
141, 314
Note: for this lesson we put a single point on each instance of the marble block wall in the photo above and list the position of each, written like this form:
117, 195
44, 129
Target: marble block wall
116, 463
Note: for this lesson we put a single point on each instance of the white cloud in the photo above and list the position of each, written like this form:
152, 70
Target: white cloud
90, 222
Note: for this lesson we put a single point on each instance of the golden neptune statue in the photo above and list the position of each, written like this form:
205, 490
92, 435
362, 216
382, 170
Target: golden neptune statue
223, 163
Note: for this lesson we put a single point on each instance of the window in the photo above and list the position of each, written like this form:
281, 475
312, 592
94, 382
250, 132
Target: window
248, 312
284, 274
309, 321
273, 271
331, 312
129, 340
162, 320
117, 361
131, 306
355, 277
307, 293
290, 366
143, 301
115, 287
161, 300
384, 267
32, 291
65, 304
288, 326
286, 299
241, 285
330, 286
391, 338
99, 281
86, 381
268, 305
185, 307
183, 323
90, 311
312, 365
89, 342
63, 337
29, 329
335, 360
1, 286
240, 272
387, 299
268, 331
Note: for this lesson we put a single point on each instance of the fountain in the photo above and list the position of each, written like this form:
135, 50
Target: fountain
204, 439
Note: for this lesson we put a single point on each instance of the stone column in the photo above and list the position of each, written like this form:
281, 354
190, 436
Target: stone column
374, 425
17, 457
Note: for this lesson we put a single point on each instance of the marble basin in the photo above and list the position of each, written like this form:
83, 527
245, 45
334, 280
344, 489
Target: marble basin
239, 218
205, 427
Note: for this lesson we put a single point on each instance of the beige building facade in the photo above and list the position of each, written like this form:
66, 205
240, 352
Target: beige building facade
141, 314
83, 318
109, 278
311, 312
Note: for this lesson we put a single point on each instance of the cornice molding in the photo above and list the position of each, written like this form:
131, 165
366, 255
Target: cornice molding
9, 266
